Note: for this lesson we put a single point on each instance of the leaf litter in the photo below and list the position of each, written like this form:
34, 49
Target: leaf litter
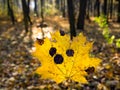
17, 64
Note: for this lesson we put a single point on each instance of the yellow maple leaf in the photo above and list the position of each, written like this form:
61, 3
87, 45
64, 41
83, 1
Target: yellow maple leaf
63, 59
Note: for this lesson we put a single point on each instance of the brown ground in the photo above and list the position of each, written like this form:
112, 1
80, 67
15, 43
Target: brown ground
17, 64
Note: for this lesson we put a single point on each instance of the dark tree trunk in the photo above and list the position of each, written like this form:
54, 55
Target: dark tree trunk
28, 6
63, 8
82, 13
10, 12
95, 7
91, 7
105, 11
36, 8
58, 4
111, 8
60, 7
98, 7
105, 7
26, 12
88, 10
118, 17
28, 3
42, 8
71, 18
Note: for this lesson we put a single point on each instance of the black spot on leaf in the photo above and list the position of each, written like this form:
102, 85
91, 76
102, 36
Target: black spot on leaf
52, 51
70, 52
58, 59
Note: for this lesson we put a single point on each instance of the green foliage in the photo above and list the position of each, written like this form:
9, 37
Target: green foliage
118, 43
102, 22
111, 39
50, 10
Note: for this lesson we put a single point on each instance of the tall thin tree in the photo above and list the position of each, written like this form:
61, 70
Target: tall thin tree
10, 12
118, 16
36, 8
82, 13
105, 7
63, 8
71, 18
111, 8
42, 8
97, 7
26, 12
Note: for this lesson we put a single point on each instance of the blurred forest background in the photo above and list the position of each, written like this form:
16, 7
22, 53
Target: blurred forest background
21, 21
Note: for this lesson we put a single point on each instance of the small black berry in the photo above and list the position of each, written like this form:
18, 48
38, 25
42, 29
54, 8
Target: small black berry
52, 51
70, 52
40, 41
62, 33
58, 59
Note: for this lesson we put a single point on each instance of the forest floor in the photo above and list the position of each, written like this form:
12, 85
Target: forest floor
17, 64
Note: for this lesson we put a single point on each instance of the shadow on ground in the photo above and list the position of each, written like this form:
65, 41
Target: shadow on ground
16, 63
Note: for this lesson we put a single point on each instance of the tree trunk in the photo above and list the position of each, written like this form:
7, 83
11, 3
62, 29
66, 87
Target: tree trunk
57, 4
10, 12
82, 13
105, 7
105, 11
28, 3
91, 7
71, 18
36, 8
27, 6
98, 7
63, 8
26, 12
111, 8
42, 8
88, 10
118, 17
